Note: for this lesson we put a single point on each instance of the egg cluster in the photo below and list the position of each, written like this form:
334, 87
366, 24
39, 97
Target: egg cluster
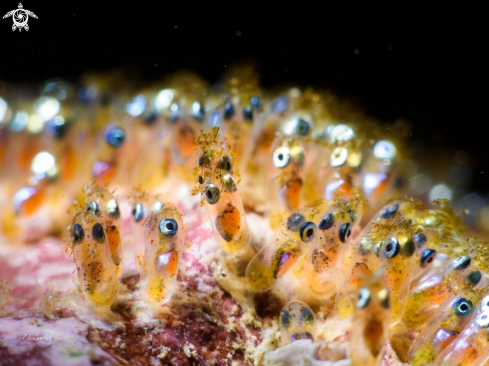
328, 181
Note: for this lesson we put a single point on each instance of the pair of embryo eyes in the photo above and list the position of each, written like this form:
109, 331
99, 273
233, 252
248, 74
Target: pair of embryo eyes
307, 229
168, 226
212, 193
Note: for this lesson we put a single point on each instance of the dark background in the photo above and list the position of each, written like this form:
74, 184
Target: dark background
404, 61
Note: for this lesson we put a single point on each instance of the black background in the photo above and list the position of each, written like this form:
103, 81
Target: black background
424, 65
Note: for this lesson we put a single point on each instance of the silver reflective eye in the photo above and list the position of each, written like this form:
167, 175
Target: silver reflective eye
344, 232
115, 136
383, 296
164, 98
113, 208
137, 105
212, 193
77, 233
390, 211
197, 111
363, 298
168, 227
93, 208
281, 157
338, 157
461, 262
483, 319
3, 109
485, 303
156, 207
340, 133
42, 163
427, 257
327, 222
420, 240
391, 248
307, 231
174, 112
385, 150
98, 233
224, 163
301, 127
295, 221
138, 212
228, 183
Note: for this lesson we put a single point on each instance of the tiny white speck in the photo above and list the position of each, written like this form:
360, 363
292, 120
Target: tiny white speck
357, 51
238, 33
176, 26
156, 65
